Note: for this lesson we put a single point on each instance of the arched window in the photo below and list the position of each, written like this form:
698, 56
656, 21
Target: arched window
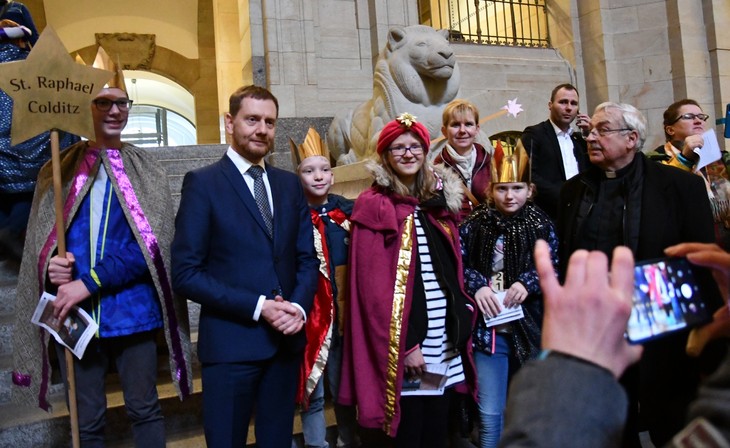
157, 126
163, 113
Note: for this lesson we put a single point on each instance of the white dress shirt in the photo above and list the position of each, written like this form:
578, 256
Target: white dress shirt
570, 164
243, 165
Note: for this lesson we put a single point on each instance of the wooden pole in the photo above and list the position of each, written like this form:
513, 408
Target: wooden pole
61, 238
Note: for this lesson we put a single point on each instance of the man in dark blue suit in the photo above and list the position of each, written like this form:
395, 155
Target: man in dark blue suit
244, 250
556, 152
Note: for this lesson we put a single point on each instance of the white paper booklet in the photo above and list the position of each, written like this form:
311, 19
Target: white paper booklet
506, 315
710, 151
430, 383
74, 332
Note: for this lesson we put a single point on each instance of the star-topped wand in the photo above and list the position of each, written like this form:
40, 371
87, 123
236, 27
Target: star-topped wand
51, 92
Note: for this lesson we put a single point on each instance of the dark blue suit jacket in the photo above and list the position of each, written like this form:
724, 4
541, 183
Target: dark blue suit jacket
223, 258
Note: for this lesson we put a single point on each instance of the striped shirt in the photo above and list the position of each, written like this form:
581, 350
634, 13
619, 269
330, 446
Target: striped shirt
436, 348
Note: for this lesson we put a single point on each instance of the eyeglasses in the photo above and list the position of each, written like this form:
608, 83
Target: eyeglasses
604, 132
692, 117
104, 104
400, 151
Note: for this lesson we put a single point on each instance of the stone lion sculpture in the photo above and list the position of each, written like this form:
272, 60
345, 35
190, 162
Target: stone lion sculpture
416, 72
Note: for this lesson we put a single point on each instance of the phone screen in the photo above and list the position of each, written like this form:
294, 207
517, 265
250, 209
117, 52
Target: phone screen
727, 121
670, 294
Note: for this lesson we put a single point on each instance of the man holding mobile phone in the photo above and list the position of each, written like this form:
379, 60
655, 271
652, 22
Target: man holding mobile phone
557, 152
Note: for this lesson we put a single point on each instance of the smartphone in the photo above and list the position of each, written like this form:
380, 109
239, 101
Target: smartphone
727, 121
670, 294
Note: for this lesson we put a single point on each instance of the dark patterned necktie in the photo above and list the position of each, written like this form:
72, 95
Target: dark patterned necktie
259, 193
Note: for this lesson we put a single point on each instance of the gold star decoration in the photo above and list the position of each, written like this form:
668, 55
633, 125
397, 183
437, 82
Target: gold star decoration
51, 91
406, 119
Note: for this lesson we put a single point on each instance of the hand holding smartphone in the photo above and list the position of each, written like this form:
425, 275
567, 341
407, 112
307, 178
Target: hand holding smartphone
670, 294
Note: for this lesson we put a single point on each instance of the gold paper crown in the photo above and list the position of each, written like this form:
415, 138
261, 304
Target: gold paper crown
104, 62
510, 164
313, 145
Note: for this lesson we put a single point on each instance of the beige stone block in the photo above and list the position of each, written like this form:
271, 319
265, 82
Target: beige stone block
257, 41
225, 7
622, 20
310, 37
307, 9
311, 68
330, 77
255, 15
339, 48
341, 67
641, 43
610, 4
351, 97
652, 15
475, 75
655, 117
657, 68
272, 31
625, 71
527, 82
597, 47
208, 69
591, 24
700, 88
334, 15
381, 13
289, 10
362, 15
647, 95
584, 7
365, 49
208, 133
719, 30
206, 102
271, 7
696, 63
273, 67
287, 99
228, 38
293, 68
310, 104
291, 36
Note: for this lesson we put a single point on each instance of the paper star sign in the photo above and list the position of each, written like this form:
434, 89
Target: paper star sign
51, 91
512, 107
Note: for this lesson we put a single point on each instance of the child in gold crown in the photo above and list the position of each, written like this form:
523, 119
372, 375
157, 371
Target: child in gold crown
330, 217
497, 242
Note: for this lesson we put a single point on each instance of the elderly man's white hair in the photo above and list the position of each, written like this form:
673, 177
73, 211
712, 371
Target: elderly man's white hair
632, 119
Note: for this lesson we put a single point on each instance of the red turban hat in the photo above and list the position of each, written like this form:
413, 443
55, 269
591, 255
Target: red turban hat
405, 122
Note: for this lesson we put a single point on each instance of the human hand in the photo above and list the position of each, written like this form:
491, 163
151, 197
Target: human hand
583, 121
690, 144
68, 295
60, 269
708, 255
414, 363
487, 301
516, 294
282, 315
587, 316
714, 257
